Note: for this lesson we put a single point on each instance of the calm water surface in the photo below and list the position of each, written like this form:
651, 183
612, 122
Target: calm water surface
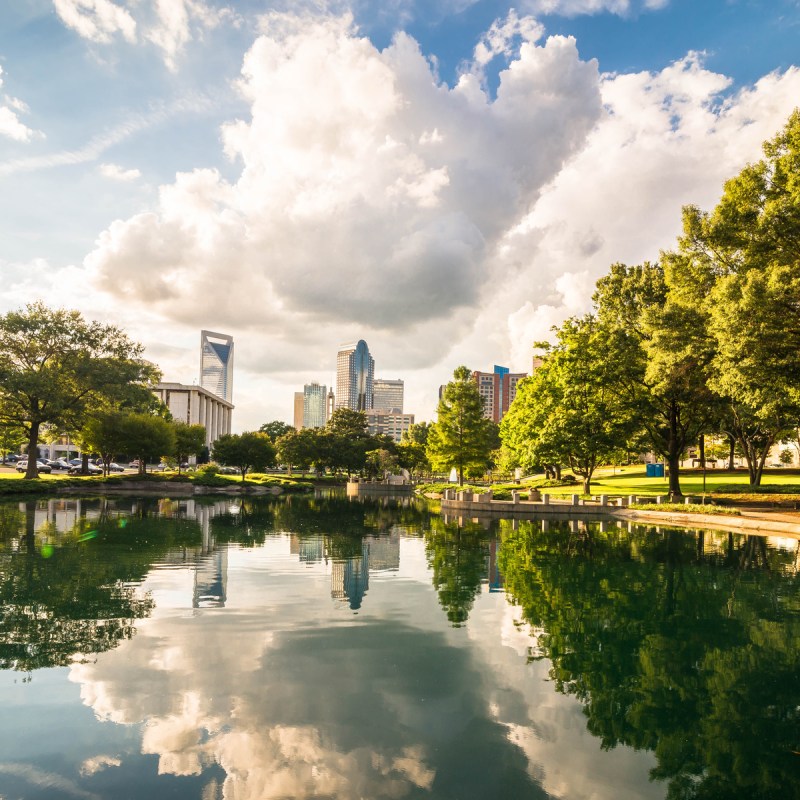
320, 648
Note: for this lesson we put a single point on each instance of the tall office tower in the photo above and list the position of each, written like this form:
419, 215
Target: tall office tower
387, 394
355, 372
330, 404
315, 399
498, 390
216, 364
299, 409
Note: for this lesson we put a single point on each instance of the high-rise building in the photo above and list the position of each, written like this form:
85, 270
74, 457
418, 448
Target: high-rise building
355, 372
498, 390
299, 409
387, 394
388, 423
216, 364
195, 405
315, 399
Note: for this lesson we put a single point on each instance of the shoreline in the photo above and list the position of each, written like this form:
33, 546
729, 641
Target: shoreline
756, 522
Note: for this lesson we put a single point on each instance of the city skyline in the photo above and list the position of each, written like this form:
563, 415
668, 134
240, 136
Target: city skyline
445, 180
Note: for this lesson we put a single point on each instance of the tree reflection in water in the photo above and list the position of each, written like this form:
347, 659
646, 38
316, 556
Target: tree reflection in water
55, 603
672, 646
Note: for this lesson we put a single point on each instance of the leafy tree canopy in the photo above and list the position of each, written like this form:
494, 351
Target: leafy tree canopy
55, 367
461, 437
249, 451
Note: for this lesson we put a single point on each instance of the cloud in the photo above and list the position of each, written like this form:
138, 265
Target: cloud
168, 24
97, 20
117, 173
10, 124
572, 8
99, 144
180, 21
368, 190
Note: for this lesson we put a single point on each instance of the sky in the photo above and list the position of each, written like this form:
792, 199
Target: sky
445, 179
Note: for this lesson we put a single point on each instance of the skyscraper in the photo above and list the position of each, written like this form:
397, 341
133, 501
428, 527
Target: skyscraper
387, 394
216, 363
314, 405
299, 409
355, 372
498, 390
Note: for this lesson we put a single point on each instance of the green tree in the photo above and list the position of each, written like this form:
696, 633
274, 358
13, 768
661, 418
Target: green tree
248, 451
276, 429
345, 441
12, 437
106, 433
570, 410
662, 369
147, 437
189, 441
55, 366
411, 456
417, 433
461, 436
379, 462
298, 448
741, 268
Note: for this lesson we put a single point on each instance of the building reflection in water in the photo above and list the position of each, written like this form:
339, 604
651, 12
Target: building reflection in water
209, 560
350, 574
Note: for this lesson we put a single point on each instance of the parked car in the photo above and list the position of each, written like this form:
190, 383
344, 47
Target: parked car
59, 465
11, 458
92, 470
22, 466
134, 464
114, 467
228, 471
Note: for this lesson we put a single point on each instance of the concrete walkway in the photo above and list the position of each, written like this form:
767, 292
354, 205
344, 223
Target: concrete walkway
472, 506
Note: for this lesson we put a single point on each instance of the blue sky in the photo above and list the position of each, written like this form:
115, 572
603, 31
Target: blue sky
305, 174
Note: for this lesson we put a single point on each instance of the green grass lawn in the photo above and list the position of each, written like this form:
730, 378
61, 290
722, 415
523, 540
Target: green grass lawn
633, 480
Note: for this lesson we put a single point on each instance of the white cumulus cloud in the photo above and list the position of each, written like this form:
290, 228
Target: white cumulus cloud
368, 190
97, 20
11, 126
118, 173
168, 24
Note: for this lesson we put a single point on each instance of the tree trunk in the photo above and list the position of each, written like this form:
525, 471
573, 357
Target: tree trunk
587, 485
33, 452
674, 447
731, 452
84, 463
701, 441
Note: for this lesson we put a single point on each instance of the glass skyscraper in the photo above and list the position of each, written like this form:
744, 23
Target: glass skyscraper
216, 364
387, 394
315, 398
355, 372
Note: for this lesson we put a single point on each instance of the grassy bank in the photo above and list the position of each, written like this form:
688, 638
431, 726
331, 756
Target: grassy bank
14, 483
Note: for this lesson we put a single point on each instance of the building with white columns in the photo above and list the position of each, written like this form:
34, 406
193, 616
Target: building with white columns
195, 405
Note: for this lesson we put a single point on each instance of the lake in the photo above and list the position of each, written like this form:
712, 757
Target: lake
315, 647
